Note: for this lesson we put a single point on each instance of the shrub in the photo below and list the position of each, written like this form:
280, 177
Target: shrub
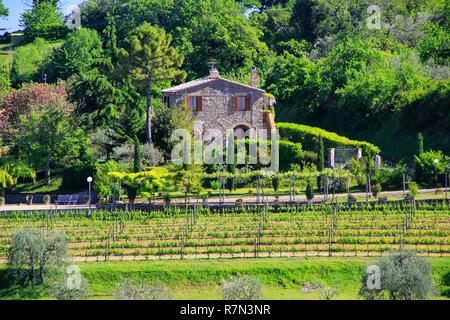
243, 288
403, 275
138, 290
376, 189
28, 60
215, 185
275, 182
74, 178
426, 169
65, 288
413, 188
309, 137
167, 197
327, 292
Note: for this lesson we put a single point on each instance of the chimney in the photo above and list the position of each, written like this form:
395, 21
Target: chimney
213, 72
254, 78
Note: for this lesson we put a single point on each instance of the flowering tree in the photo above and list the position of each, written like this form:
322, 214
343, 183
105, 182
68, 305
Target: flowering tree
39, 119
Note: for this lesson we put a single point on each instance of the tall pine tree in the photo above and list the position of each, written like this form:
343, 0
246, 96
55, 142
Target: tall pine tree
149, 58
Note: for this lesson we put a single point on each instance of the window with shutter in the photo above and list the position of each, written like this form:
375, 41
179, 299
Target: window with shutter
247, 103
239, 103
186, 103
199, 104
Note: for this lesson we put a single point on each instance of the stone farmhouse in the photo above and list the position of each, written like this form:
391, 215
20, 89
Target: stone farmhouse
223, 104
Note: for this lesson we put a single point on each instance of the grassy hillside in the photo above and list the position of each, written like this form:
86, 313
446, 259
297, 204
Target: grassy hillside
282, 278
24, 61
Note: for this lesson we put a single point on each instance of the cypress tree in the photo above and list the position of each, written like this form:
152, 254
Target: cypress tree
321, 160
137, 155
309, 190
320, 155
419, 151
419, 144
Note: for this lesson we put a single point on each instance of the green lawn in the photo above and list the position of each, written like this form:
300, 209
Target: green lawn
282, 278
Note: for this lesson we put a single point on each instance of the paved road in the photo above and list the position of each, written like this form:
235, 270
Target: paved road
361, 195
317, 197
23, 207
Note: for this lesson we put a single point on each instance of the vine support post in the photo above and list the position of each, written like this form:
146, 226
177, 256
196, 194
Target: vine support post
446, 184
114, 194
403, 177
294, 188
290, 189
182, 242
329, 241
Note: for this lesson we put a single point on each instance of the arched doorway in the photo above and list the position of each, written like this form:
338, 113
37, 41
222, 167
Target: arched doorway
241, 131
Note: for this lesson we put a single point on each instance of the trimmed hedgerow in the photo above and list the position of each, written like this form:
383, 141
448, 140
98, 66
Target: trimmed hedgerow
309, 137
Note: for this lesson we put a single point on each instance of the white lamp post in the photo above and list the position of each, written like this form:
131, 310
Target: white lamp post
89, 180
435, 167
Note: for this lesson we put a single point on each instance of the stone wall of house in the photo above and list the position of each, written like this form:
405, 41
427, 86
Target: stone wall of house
217, 111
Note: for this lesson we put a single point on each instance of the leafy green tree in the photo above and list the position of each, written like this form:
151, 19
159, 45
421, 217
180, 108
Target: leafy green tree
188, 181
165, 121
404, 275
103, 182
276, 27
82, 48
296, 82
43, 21
150, 59
312, 19
435, 44
11, 171
125, 14
216, 30
3, 11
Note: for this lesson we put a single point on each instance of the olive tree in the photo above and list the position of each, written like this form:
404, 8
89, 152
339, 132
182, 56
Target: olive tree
71, 286
129, 289
33, 256
243, 288
402, 275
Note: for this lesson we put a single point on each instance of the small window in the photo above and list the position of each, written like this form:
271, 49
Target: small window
193, 103
241, 103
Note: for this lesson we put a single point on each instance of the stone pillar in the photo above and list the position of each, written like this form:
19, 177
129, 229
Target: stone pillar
377, 161
331, 158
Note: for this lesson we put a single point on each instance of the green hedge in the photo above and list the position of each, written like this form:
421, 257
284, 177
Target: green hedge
309, 138
74, 178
